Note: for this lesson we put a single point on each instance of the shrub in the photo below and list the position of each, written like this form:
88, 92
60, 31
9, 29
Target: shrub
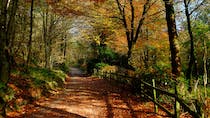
100, 65
91, 65
107, 55
61, 66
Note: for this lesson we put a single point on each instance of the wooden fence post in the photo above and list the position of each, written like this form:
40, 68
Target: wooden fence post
139, 85
115, 76
109, 75
155, 96
103, 76
176, 104
99, 74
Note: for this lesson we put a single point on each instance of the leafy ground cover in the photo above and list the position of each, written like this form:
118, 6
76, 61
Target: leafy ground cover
79, 97
28, 87
89, 97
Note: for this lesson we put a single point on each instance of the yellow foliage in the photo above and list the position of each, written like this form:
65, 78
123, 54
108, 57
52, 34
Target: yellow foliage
112, 69
35, 92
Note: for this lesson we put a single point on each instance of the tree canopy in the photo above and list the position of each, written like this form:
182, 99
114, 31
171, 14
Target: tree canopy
168, 40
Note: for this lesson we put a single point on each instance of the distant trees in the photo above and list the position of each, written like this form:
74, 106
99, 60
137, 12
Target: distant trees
49, 30
54, 33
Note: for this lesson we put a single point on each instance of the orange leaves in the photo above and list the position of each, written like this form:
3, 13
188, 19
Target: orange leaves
63, 7
52, 1
65, 11
68, 7
98, 1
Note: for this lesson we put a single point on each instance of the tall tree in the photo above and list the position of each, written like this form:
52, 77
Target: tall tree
7, 17
172, 32
132, 31
45, 35
173, 36
192, 66
205, 73
50, 23
30, 34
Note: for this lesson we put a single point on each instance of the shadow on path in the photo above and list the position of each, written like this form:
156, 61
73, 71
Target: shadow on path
93, 98
47, 112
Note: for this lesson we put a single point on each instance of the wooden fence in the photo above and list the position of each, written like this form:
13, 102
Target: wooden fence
144, 85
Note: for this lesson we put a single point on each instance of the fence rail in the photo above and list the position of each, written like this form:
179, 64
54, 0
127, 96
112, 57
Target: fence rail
178, 100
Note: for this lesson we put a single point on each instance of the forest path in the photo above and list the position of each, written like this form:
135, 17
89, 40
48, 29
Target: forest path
75, 71
90, 97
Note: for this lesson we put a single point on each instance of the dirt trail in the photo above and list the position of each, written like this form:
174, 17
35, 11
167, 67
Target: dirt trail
75, 71
93, 98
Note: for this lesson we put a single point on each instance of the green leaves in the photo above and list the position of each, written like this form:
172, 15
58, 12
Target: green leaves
45, 78
7, 94
2, 85
100, 65
200, 29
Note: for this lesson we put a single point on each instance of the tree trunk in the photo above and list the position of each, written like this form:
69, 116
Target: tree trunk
205, 75
30, 35
146, 51
48, 25
7, 18
175, 59
132, 32
23, 34
4, 64
64, 47
192, 66
45, 37
129, 53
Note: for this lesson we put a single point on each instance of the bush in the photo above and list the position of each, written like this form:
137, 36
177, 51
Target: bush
100, 65
107, 55
49, 79
61, 66
24, 87
91, 65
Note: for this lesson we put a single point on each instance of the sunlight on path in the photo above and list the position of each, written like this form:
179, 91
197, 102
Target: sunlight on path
79, 99
93, 98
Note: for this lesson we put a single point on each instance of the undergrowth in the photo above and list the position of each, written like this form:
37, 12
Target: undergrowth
30, 86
